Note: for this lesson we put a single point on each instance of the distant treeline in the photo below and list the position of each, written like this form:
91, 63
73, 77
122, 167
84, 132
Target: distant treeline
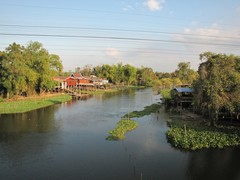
144, 76
29, 70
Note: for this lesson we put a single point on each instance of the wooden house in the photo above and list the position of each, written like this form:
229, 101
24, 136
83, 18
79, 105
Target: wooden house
182, 97
62, 84
71, 82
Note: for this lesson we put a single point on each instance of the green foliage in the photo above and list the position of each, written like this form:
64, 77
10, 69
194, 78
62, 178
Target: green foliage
31, 104
166, 94
123, 126
27, 70
193, 137
85, 71
147, 110
167, 83
146, 76
217, 89
1, 100
185, 73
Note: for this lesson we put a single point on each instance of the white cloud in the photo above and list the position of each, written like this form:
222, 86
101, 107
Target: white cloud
128, 8
199, 40
155, 5
113, 53
207, 32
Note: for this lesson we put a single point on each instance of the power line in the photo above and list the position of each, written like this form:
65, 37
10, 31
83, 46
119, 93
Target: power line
117, 38
96, 11
119, 30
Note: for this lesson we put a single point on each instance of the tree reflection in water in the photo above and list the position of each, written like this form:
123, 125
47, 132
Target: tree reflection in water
212, 164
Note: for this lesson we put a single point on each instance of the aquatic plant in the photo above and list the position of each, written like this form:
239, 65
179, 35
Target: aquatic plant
123, 126
193, 137
147, 110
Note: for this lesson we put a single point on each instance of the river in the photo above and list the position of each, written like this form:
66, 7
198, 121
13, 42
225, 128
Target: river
68, 141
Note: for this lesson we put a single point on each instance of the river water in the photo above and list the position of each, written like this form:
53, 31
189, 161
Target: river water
68, 141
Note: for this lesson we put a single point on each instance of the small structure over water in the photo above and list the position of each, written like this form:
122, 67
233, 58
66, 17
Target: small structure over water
182, 97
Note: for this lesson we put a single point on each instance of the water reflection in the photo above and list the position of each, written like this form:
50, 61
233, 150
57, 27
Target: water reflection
214, 164
67, 141
14, 126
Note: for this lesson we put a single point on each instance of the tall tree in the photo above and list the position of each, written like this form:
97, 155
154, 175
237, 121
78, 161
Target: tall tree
130, 74
25, 71
218, 86
185, 73
147, 76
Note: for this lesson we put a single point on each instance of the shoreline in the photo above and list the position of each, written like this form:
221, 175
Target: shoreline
22, 105
192, 132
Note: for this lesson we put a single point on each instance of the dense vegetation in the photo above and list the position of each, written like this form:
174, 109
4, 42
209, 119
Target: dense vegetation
120, 74
197, 136
217, 90
30, 104
123, 126
146, 111
182, 75
144, 76
27, 70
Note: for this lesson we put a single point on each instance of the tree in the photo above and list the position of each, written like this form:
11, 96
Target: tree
147, 76
185, 73
25, 71
217, 89
130, 74
13, 70
86, 70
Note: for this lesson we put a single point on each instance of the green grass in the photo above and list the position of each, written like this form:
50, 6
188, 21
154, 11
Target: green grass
99, 91
123, 126
147, 111
198, 136
31, 104
102, 91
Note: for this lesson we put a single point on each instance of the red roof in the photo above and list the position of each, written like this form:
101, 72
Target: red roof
76, 75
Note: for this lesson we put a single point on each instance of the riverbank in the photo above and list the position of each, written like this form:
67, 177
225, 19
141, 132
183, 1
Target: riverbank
110, 90
192, 133
31, 103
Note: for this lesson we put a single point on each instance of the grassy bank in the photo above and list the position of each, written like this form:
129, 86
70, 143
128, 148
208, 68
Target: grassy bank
147, 111
123, 126
30, 104
99, 91
198, 136
111, 90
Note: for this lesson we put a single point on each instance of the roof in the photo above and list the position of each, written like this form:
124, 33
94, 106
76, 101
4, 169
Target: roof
59, 78
76, 75
181, 90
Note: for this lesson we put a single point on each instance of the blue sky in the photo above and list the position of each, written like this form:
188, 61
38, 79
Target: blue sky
151, 33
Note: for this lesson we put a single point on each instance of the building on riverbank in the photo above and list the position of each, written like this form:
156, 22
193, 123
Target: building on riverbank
80, 82
182, 97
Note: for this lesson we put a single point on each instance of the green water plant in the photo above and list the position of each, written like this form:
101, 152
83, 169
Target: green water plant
146, 111
123, 126
197, 136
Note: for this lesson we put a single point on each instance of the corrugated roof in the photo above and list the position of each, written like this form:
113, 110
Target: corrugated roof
181, 90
